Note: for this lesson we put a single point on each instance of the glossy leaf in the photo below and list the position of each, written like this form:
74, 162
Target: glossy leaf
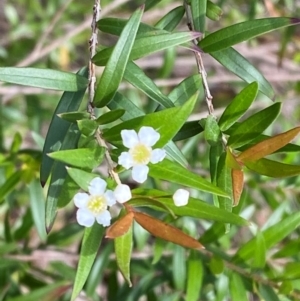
81, 177
198, 8
115, 67
149, 44
169, 21
188, 130
254, 125
165, 231
237, 177
90, 244
238, 106
58, 128
85, 158
243, 31
136, 76
110, 116
172, 172
237, 64
166, 122
123, 249
120, 227
195, 207
272, 168
271, 236
195, 273
44, 78
268, 146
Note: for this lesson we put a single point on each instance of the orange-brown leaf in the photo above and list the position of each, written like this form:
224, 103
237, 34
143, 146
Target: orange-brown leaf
268, 146
231, 161
237, 185
165, 231
120, 227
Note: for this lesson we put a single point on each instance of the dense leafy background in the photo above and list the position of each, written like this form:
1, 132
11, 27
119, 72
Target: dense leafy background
37, 266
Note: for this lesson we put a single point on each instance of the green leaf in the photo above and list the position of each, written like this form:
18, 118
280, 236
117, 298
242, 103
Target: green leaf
87, 127
115, 26
169, 21
243, 31
166, 122
115, 67
136, 76
267, 293
67, 191
237, 288
291, 271
58, 128
259, 256
172, 172
237, 64
216, 265
90, 244
198, 8
195, 274
195, 207
238, 106
212, 133
188, 130
58, 176
273, 169
44, 78
81, 178
10, 183
150, 3
110, 116
272, 235
145, 45
178, 267
37, 205
186, 89
74, 116
253, 126
85, 158
213, 11
123, 249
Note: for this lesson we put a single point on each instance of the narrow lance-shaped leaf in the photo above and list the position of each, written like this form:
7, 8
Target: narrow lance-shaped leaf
238, 106
165, 231
243, 31
44, 78
198, 8
90, 244
171, 19
254, 125
149, 44
58, 128
114, 70
237, 64
268, 146
237, 178
272, 168
120, 227
213, 11
123, 249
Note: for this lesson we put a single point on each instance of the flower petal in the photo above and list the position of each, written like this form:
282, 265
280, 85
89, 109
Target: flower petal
85, 218
97, 186
157, 155
129, 138
110, 197
104, 218
125, 159
81, 199
148, 135
122, 193
139, 173
181, 197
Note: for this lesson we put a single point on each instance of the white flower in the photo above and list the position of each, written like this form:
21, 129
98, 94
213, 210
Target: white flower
181, 197
122, 193
93, 206
140, 151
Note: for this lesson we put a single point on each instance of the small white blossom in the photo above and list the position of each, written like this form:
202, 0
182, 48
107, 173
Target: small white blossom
181, 197
122, 193
140, 151
93, 206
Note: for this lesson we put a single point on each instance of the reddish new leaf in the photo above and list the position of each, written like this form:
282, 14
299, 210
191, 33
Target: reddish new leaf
120, 227
165, 231
268, 146
237, 185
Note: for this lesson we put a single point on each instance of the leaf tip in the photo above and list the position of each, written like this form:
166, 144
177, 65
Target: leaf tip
43, 183
295, 20
196, 34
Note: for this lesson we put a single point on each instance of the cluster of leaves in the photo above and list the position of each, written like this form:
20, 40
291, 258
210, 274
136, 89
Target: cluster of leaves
71, 156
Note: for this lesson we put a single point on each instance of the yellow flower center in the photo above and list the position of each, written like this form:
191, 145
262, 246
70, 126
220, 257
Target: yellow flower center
141, 154
97, 204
